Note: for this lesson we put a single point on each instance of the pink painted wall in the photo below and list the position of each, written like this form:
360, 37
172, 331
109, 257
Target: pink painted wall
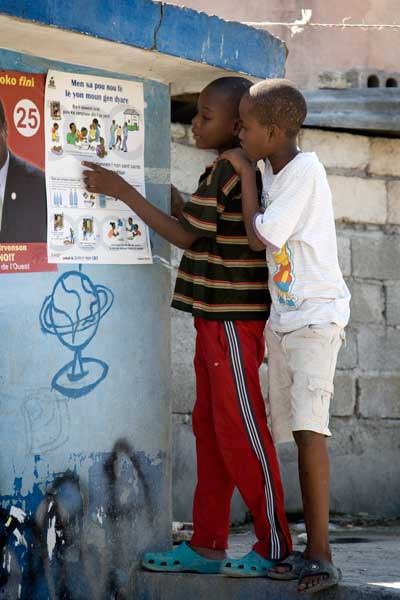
316, 50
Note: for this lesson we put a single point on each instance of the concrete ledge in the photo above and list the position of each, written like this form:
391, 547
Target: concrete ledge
196, 36
155, 586
367, 556
355, 110
125, 21
171, 30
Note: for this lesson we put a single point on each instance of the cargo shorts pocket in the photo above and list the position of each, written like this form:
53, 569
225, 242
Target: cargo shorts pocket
322, 392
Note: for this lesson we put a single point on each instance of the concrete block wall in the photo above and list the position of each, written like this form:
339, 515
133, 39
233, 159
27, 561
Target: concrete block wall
365, 180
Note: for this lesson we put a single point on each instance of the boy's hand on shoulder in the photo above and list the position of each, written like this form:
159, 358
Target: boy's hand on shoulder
103, 181
238, 159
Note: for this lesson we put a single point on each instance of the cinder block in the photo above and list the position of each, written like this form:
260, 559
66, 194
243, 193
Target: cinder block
379, 348
367, 302
376, 256
184, 473
183, 467
187, 164
394, 202
344, 397
336, 150
380, 397
178, 131
182, 353
344, 254
393, 303
334, 80
348, 355
189, 136
359, 200
385, 156
365, 474
288, 461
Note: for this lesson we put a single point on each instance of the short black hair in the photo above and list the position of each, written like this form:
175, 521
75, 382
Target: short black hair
234, 88
278, 102
2, 113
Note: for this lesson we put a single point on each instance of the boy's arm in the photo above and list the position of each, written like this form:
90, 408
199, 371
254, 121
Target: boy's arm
250, 206
276, 224
102, 181
250, 203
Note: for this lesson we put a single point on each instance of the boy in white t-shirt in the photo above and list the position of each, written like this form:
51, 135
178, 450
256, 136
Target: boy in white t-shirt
310, 302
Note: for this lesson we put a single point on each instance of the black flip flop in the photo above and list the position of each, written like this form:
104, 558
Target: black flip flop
295, 561
315, 568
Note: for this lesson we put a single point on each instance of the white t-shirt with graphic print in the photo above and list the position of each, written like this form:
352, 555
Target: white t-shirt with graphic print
298, 226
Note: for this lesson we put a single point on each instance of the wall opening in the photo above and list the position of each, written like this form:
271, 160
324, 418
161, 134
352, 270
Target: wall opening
391, 82
183, 108
373, 81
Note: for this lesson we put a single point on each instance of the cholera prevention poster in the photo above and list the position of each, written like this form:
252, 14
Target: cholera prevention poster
101, 120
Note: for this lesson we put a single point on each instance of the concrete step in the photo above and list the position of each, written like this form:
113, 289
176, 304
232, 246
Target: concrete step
367, 556
167, 586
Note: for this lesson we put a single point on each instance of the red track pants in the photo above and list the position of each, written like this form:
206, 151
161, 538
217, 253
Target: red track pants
233, 442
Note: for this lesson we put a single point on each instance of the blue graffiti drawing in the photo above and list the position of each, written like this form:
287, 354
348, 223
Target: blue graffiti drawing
73, 312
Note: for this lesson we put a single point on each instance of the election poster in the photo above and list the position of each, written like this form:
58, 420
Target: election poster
101, 120
23, 206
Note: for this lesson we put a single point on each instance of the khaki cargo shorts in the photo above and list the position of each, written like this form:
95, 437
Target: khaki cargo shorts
301, 368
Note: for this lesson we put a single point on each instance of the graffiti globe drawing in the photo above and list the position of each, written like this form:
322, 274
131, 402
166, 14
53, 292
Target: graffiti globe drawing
72, 313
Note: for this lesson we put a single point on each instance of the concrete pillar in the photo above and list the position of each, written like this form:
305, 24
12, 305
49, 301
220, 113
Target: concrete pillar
88, 462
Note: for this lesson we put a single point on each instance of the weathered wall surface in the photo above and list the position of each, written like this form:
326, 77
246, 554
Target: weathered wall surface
92, 470
318, 49
363, 173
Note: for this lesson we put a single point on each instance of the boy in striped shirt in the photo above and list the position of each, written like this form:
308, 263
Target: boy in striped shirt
223, 284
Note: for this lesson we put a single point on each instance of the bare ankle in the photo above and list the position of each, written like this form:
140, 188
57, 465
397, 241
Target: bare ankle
318, 552
209, 553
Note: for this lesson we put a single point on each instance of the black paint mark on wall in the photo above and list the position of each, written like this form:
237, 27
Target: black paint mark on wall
78, 543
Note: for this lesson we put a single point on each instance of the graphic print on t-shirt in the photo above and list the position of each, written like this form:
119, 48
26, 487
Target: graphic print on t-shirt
284, 277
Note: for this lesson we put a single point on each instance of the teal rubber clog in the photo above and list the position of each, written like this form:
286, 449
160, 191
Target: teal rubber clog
250, 565
181, 559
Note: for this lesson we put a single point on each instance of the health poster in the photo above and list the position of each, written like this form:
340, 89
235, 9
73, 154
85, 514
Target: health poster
101, 120
23, 207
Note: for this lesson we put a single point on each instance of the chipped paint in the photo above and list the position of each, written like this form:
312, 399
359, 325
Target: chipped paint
18, 513
100, 515
118, 494
221, 47
51, 535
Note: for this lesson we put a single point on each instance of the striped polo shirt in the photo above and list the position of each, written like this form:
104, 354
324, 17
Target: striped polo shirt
220, 277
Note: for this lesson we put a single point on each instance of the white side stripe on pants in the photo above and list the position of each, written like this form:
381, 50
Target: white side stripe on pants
251, 426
